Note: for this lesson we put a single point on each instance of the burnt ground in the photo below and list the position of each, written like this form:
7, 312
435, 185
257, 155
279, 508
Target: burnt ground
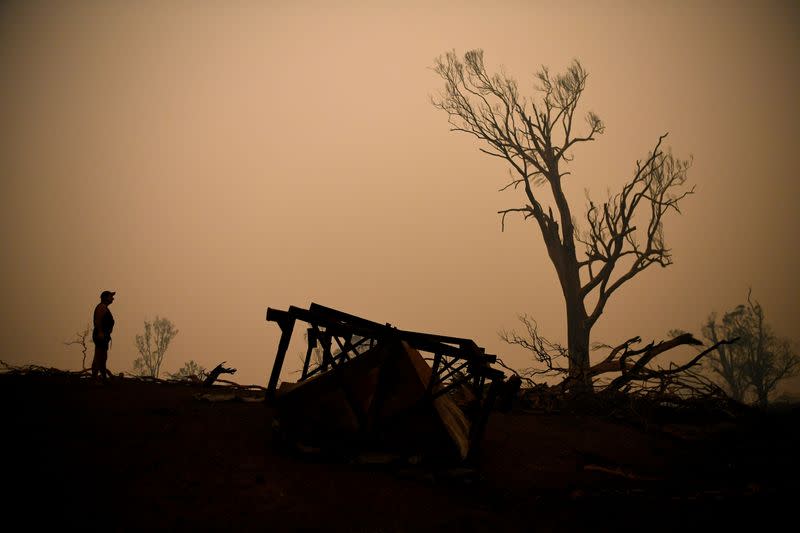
134, 455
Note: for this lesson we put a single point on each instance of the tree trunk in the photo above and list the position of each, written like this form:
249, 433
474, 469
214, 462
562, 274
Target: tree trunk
578, 347
578, 327
566, 264
763, 397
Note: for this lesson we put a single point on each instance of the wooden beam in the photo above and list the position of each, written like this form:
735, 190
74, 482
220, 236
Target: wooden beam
312, 343
286, 323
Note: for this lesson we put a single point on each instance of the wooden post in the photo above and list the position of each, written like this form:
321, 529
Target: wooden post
286, 323
327, 358
312, 343
479, 423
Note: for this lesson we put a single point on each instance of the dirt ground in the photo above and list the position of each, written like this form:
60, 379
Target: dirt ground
133, 455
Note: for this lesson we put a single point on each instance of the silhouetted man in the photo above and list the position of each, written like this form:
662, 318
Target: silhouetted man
101, 335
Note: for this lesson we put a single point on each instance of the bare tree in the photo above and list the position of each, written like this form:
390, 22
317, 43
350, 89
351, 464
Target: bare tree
759, 361
80, 339
729, 362
152, 346
536, 137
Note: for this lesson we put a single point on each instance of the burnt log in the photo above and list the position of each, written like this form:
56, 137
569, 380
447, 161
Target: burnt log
216, 372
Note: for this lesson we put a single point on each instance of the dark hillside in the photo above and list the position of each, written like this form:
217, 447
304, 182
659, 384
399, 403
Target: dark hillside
134, 455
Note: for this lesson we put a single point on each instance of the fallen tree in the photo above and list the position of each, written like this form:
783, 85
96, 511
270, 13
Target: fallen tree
635, 366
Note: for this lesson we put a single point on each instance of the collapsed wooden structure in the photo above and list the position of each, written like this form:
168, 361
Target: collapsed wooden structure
366, 383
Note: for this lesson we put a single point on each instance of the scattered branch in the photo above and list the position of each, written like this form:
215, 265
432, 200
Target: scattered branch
545, 352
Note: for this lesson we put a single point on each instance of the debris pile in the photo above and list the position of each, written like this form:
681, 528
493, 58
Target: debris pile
377, 391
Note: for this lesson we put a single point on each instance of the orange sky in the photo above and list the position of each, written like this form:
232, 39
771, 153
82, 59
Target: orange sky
207, 162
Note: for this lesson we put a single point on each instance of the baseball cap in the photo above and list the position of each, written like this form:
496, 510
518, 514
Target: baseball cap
107, 293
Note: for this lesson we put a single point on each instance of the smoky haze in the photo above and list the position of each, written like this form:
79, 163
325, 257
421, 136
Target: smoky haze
208, 162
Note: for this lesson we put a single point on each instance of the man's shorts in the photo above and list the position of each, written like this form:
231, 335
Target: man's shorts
101, 343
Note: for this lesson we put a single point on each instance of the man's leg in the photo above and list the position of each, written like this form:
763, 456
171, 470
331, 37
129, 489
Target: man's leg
96, 362
106, 372
103, 361
100, 358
